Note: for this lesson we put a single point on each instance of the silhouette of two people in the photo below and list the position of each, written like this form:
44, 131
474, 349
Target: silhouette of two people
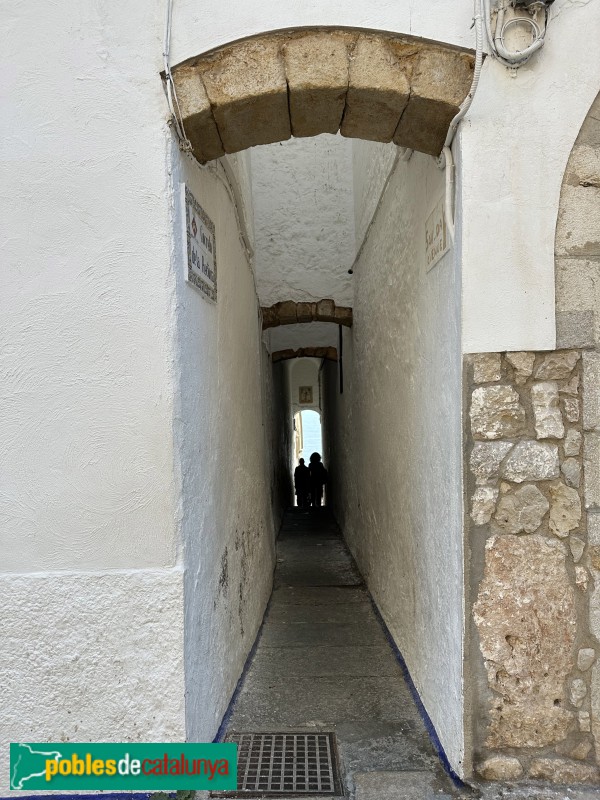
310, 481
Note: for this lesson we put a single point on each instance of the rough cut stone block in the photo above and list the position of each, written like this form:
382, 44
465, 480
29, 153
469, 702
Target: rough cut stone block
486, 458
591, 390
522, 363
591, 470
531, 461
581, 578
571, 469
496, 412
548, 419
316, 67
581, 751
572, 442
196, 111
526, 617
484, 503
577, 546
559, 770
522, 510
557, 366
585, 658
577, 692
440, 82
247, 89
584, 721
500, 768
379, 89
487, 367
565, 509
571, 409
570, 387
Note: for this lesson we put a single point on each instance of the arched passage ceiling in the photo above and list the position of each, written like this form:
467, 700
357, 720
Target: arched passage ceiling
366, 85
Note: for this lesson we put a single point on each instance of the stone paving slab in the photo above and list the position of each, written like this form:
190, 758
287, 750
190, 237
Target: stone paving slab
323, 701
326, 661
407, 785
331, 595
320, 613
280, 634
386, 746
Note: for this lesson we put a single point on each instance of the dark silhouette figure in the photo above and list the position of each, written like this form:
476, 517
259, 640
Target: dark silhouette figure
318, 479
302, 483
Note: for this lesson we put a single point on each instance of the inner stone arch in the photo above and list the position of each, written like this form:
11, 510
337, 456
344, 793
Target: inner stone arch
377, 86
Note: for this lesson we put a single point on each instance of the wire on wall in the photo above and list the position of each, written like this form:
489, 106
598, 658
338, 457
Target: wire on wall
176, 119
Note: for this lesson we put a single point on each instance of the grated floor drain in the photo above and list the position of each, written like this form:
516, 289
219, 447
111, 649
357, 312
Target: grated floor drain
291, 764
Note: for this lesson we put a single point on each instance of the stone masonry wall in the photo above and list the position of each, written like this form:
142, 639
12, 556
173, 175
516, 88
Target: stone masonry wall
535, 559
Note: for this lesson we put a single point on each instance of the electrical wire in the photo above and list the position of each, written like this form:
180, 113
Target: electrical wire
170, 91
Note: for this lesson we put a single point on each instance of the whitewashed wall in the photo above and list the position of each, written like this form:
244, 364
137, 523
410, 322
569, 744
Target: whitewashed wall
91, 581
223, 440
303, 210
394, 438
516, 142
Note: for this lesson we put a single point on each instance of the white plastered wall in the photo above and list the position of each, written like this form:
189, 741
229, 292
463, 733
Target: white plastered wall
516, 141
303, 211
394, 437
514, 145
223, 439
91, 581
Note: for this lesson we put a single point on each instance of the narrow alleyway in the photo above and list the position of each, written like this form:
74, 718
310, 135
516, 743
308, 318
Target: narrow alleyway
323, 664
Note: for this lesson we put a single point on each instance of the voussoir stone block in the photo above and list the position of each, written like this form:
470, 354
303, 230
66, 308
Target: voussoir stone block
316, 68
247, 89
286, 311
496, 412
440, 81
200, 126
526, 617
305, 312
326, 311
379, 88
531, 461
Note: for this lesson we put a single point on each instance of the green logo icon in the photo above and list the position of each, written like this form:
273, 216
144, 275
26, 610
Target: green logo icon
72, 766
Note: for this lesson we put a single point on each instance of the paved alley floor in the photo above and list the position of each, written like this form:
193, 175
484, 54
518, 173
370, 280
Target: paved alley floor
323, 663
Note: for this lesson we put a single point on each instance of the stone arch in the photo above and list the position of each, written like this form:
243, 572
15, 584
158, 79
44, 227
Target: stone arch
328, 353
577, 243
289, 312
378, 86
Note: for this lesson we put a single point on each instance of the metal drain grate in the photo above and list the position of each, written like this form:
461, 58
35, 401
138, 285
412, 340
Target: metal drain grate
275, 764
